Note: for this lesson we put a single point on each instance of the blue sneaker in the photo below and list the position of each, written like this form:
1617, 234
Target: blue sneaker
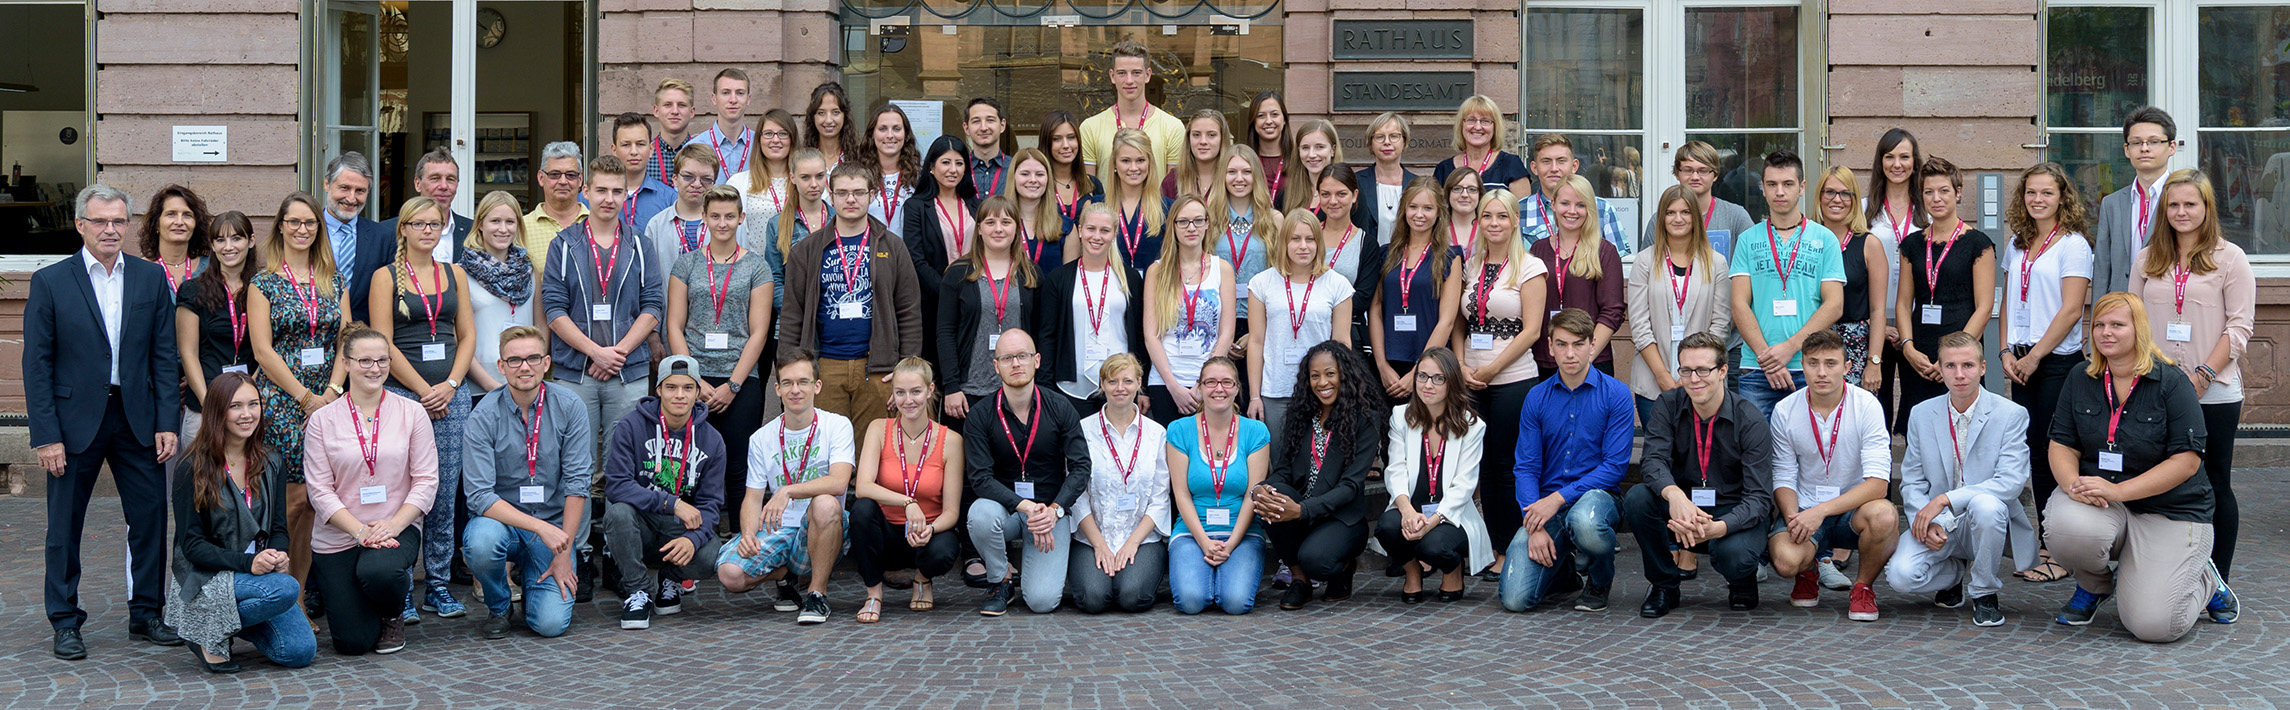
2224, 605
439, 601
412, 614
2080, 610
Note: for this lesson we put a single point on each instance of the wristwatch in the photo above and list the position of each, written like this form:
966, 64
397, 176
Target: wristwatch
1056, 512
1876, 357
453, 383
734, 386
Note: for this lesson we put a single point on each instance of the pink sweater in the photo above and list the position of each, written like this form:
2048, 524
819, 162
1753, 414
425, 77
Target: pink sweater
405, 468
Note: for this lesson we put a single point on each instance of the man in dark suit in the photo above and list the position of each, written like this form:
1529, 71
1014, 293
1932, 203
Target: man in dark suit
100, 395
437, 177
360, 245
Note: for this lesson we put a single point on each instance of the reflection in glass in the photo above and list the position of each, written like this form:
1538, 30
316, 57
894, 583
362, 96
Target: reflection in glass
2097, 64
2250, 171
356, 57
1741, 67
1742, 172
2094, 161
2245, 66
1615, 169
1583, 69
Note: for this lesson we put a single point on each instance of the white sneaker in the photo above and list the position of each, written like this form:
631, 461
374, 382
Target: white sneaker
1833, 577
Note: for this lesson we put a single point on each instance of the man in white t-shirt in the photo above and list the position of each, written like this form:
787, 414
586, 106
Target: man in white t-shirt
799, 466
1832, 471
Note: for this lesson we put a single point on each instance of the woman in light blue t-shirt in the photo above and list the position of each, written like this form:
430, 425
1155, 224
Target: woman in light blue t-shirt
1216, 555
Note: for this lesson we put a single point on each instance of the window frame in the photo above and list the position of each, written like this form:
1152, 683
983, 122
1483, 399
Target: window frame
26, 263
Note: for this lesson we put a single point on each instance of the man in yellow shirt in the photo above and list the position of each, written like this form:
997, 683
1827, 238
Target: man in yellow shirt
1131, 72
560, 206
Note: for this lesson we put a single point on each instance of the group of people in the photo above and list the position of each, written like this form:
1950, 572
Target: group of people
1150, 358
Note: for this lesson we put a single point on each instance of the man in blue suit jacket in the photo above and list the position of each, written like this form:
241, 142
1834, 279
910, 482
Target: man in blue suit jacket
360, 245
103, 391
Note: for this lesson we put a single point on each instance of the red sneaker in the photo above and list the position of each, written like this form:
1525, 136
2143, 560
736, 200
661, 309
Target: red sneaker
1807, 593
1864, 606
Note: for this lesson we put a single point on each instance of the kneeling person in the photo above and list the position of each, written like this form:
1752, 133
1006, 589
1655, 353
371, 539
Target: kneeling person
532, 519
1029, 464
792, 522
663, 483
1707, 468
1967, 461
1830, 481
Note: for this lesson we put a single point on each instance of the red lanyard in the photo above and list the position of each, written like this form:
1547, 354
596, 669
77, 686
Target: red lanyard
243, 490
1208, 452
2145, 211
853, 262
778, 195
533, 435
663, 159
604, 268
787, 475
1192, 294
1001, 295
1678, 285
808, 225
1464, 243
172, 282
719, 296
1487, 288
1033, 246
1955, 447
718, 143
2179, 275
687, 233
683, 456
2028, 261
1132, 230
1278, 177
1932, 265
994, 187
1836, 427
436, 276
886, 193
1480, 166
1296, 312
1070, 210
1900, 224
1096, 307
1342, 242
370, 450
1033, 426
1320, 439
1141, 116
1702, 439
1708, 212
1434, 451
1247, 238
912, 480
1136, 447
1564, 264
1407, 274
309, 298
238, 320
2115, 408
1797, 241
1543, 210
955, 227
627, 217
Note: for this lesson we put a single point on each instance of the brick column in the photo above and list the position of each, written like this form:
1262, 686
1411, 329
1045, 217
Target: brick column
785, 46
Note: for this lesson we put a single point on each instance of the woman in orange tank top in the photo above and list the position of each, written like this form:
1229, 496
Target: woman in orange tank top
900, 519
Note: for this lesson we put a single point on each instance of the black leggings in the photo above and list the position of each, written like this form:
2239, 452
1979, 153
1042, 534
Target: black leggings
1320, 549
2218, 464
1500, 405
1443, 547
2041, 398
364, 586
878, 544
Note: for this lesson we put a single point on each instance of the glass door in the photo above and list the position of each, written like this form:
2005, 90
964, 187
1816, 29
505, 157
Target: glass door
351, 88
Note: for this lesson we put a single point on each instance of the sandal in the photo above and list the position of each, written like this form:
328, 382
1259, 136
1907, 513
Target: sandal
871, 612
921, 587
2049, 571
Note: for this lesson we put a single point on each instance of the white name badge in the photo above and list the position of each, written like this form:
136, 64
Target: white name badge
2020, 319
1677, 331
1824, 494
1784, 307
1093, 352
241, 369
993, 341
1929, 315
2111, 461
1705, 497
529, 494
1219, 517
792, 517
601, 311
2179, 332
253, 547
1025, 489
1292, 357
1482, 341
849, 311
719, 341
1403, 324
1430, 509
369, 495
433, 352
313, 357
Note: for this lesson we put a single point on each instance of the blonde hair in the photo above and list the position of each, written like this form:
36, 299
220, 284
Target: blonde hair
1406, 133
1295, 161
2143, 350
2163, 239
1188, 175
495, 200
1112, 251
1295, 218
1501, 199
1116, 192
411, 209
1263, 217
1583, 264
919, 367
1168, 284
1049, 226
786, 219
1480, 103
1855, 220
1698, 248
1115, 363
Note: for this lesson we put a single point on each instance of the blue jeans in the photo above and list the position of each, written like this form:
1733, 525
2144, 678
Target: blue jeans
1196, 584
270, 617
993, 528
1759, 390
490, 546
1583, 531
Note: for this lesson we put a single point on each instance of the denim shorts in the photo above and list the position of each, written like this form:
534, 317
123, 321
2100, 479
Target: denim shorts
1834, 531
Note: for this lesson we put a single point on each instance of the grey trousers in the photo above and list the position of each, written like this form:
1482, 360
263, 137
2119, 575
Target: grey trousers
1972, 555
2161, 580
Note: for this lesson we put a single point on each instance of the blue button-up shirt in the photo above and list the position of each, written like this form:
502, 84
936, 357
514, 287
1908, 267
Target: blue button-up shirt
1573, 441
1535, 216
343, 236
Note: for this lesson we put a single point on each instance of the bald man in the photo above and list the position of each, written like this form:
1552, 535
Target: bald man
1027, 464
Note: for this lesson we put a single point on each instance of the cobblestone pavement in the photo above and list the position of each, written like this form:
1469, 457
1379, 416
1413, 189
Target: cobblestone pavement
1370, 651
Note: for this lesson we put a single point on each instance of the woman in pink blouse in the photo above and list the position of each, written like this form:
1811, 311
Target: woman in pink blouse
2200, 296
371, 463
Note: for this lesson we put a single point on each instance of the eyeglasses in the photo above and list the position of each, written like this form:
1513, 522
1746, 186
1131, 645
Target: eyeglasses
106, 225
694, 178
1699, 372
524, 362
775, 135
1836, 194
850, 194
1478, 121
1012, 358
1471, 189
1387, 137
368, 363
1430, 378
1704, 172
1219, 384
561, 175
425, 226
2147, 143
1191, 222
301, 225
805, 382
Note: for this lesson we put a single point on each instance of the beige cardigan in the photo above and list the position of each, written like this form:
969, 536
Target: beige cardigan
1709, 309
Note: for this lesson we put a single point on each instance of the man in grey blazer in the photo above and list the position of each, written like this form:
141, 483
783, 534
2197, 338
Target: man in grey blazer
1966, 463
2150, 138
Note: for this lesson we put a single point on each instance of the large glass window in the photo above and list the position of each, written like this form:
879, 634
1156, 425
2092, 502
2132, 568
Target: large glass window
45, 154
1585, 76
1741, 92
2098, 73
2244, 139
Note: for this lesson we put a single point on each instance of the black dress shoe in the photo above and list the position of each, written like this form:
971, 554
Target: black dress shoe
1451, 596
1297, 596
1339, 589
157, 634
69, 646
1659, 602
1415, 597
226, 667
1742, 597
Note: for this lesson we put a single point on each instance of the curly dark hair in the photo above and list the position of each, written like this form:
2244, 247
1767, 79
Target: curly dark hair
1358, 407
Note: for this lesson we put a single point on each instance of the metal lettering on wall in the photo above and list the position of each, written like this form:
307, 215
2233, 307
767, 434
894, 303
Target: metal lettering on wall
1401, 90
1402, 39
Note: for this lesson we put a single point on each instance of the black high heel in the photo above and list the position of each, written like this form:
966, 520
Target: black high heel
228, 666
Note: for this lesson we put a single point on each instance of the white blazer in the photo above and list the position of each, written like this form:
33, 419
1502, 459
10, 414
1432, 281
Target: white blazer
1404, 461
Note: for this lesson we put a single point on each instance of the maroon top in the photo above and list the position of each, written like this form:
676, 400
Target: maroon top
1602, 299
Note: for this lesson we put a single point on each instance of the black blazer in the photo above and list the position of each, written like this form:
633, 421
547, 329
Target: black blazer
926, 244
1364, 205
214, 540
67, 357
1057, 312
377, 247
1340, 493
960, 311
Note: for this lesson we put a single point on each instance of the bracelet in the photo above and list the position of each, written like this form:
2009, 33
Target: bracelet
2208, 373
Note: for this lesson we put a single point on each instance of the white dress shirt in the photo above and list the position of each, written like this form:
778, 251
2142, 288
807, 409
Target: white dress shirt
1119, 505
110, 297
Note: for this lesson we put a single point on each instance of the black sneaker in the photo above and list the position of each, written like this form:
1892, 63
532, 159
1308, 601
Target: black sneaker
997, 599
1950, 598
1591, 599
2081, 608
814, 609
1986, 612
636, 611
1742, 597
1338, 589
671, 597
495, 627
1297, 596
787, 601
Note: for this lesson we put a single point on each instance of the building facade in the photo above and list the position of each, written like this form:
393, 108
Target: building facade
243, 99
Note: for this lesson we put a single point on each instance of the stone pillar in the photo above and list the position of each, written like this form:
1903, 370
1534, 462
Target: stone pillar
785, 46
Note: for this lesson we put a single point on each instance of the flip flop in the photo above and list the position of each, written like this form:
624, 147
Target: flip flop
2044, 572
922, 585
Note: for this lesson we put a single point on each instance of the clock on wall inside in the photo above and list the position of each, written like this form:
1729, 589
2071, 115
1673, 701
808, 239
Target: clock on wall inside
491, 27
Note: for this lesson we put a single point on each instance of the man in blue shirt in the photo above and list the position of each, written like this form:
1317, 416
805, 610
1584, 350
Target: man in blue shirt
1574, 442
1789, 274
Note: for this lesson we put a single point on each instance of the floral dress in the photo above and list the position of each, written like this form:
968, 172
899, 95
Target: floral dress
291, 330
